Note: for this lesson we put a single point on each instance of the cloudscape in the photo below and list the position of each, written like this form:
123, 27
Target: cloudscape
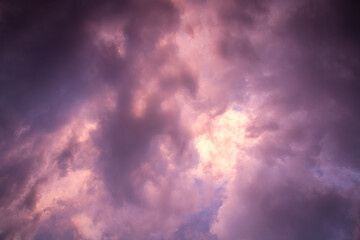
180, 120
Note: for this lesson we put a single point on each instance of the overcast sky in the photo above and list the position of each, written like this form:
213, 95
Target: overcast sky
179, 120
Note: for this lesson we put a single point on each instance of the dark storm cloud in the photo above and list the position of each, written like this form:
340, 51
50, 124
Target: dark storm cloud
51, 63
124, 138
42, 79
40, 60
320, 73
307, 72
244, 13
239, 17
66, 156
276, 205
58, 226
298, 61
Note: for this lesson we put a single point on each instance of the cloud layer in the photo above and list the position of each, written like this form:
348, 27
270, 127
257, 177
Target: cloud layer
179, 120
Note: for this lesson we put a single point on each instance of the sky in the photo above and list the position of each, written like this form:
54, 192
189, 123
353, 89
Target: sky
179, 120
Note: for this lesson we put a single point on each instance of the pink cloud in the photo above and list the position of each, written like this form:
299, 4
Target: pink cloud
182, 119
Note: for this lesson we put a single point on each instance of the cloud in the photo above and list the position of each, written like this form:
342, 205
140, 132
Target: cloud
179, 120
72, 75
302, 85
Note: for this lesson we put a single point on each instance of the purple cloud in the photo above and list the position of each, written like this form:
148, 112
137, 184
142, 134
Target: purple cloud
179, 120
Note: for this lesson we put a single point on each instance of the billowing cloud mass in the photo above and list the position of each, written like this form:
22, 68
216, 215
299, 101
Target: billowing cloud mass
180, 119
